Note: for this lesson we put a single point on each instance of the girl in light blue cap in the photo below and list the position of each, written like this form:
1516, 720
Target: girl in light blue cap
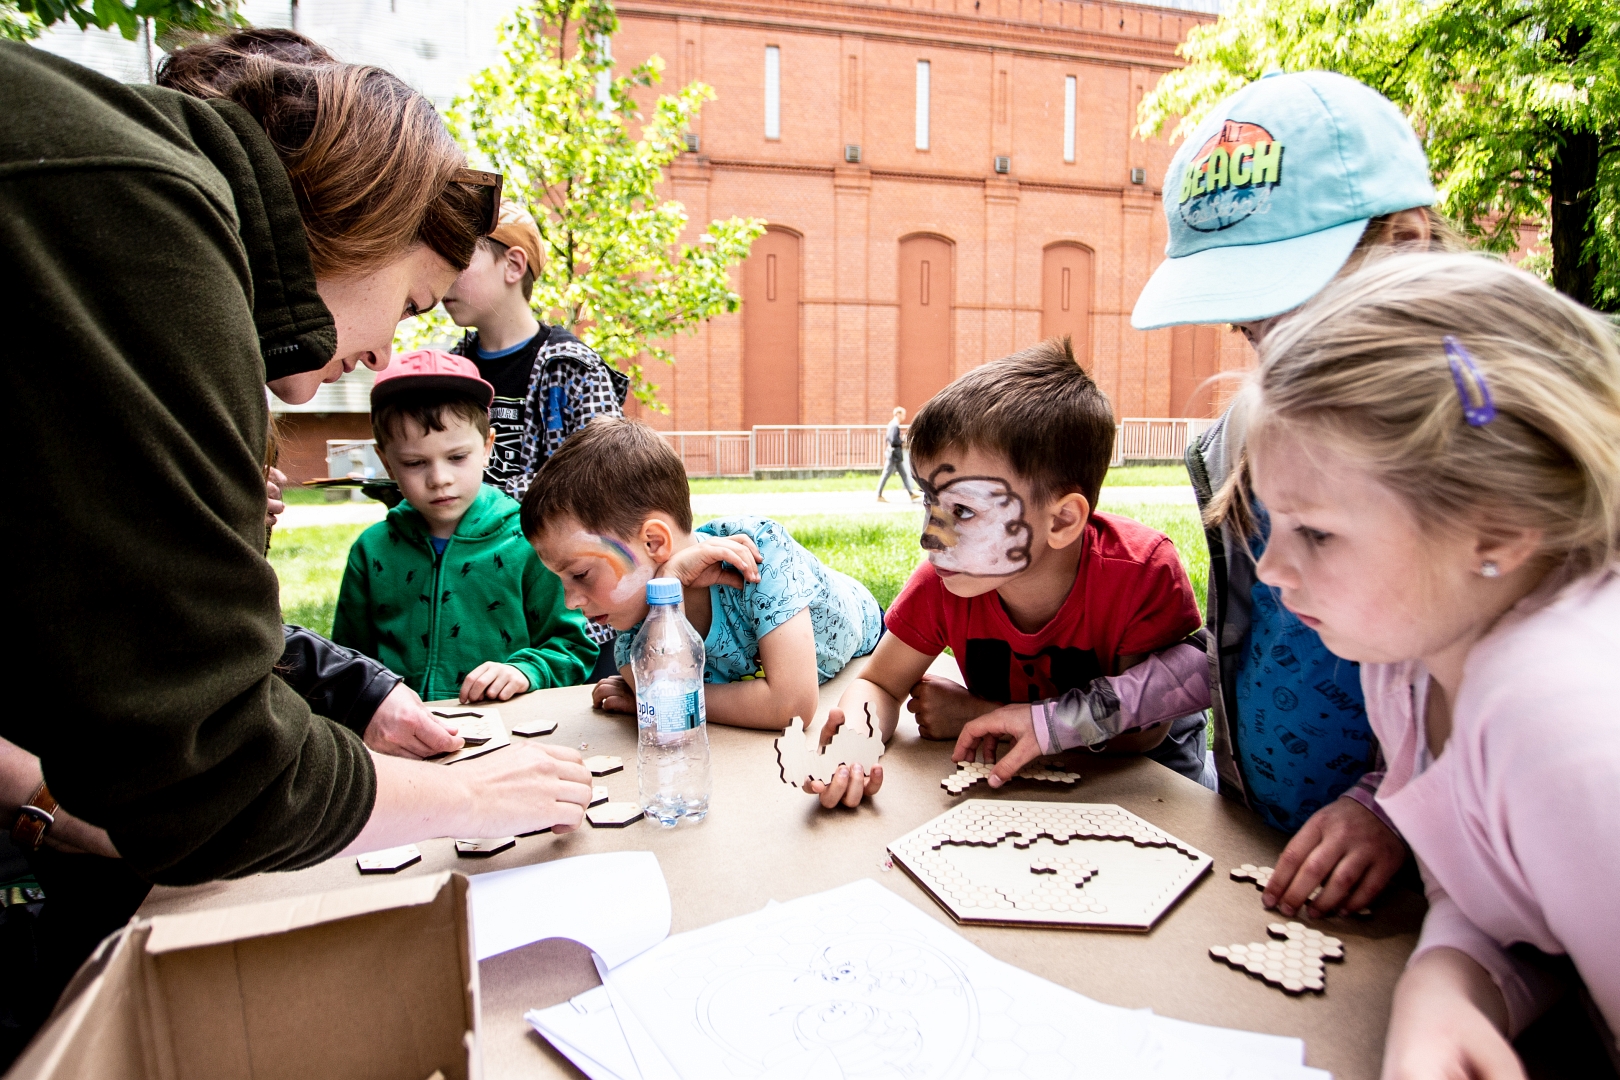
1286, 186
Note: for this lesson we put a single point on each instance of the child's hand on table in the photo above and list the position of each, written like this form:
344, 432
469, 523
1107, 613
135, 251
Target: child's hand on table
850, 783
1345, 849
1446, 1021
613, 694
493, 681
943, 706
403, 727
982, 736
718, 560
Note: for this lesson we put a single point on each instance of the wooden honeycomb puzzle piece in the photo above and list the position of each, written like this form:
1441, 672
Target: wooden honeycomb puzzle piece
800, 755
480, 729
483, 849
614, 815
969, 773
603, 764
1261, 876
1293, 962
1073, 887
388, 860
533, 727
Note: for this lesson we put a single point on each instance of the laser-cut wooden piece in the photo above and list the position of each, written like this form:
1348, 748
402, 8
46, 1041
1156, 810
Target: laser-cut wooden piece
480, 729
604, 764
1293, 962
599, 795
614, 815
969, 773
800, 755
1056, 864
483, 849
533, 728
388, 860
1261, 876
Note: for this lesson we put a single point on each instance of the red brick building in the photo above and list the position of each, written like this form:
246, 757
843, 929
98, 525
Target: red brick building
944, 183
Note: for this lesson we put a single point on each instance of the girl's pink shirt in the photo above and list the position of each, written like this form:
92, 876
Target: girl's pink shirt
1516, 825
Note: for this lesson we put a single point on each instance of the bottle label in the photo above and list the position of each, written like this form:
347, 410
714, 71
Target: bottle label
670, 710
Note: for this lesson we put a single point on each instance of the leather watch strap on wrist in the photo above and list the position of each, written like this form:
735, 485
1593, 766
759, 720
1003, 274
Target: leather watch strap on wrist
34, 819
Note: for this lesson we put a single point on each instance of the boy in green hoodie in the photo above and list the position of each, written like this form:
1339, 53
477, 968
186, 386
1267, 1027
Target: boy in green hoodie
445, 591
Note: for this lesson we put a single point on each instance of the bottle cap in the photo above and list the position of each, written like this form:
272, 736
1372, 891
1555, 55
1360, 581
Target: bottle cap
664, 590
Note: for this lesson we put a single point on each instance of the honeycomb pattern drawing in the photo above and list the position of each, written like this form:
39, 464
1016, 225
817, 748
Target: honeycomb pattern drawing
1120, 871
1293, 962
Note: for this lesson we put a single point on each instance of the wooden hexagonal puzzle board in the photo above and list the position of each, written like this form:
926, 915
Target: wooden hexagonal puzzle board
1049, 864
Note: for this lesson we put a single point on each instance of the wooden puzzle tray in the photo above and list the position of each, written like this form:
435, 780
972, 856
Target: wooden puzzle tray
1082, 865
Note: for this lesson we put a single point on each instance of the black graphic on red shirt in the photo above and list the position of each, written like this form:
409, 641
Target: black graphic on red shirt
996, 673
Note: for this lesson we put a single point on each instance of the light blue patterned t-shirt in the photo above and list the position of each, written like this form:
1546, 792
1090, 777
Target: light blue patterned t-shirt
844, 616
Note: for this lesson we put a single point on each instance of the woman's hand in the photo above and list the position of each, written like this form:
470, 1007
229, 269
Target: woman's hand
1446, 1023
493, 681
274, 481
1345, 849
718, 560
984, 735
20, 777
614, 694
944, 706
403, 727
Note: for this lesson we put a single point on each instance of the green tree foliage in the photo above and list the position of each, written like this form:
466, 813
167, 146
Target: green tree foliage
22, 20
555, 120
1517, 103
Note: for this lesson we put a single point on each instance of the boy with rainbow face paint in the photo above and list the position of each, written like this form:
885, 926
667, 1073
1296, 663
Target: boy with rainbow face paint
612, 509
1037, 596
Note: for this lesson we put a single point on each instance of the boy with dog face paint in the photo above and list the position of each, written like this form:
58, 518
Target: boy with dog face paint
1043, 602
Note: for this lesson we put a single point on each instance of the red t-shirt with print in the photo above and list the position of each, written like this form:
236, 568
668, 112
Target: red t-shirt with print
1131, 595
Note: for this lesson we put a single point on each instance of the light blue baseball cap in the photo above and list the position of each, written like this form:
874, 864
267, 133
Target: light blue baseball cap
1268, 197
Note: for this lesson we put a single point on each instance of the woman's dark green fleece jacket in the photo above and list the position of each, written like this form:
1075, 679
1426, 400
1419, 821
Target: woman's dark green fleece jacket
156, 273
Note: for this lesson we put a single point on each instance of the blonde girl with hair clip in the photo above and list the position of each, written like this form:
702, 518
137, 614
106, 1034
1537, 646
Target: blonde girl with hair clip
1437, 441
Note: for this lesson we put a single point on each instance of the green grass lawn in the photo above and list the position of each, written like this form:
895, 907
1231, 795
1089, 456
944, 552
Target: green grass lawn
879, 550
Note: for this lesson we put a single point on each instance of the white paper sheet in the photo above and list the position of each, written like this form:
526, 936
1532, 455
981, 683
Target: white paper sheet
856, 981
616, 904
585, 1029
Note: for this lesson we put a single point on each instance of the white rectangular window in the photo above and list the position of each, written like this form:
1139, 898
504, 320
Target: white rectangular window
1068, 119
773, 92
604, 79
922, 104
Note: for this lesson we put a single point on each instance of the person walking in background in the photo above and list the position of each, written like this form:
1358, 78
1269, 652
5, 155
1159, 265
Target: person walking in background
897, 456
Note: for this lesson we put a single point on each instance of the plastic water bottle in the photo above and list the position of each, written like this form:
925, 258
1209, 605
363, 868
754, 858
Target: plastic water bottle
672, 755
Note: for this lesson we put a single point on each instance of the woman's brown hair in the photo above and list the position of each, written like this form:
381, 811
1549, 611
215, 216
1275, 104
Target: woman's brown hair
370, 160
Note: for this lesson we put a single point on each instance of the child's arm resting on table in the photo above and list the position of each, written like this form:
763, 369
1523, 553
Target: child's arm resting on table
888, 677
1448, 1019
786, 687
1163, 686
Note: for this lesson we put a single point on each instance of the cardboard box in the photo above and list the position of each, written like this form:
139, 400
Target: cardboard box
372, 983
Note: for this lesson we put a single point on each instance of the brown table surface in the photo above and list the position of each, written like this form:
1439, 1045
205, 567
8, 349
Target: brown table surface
765, 841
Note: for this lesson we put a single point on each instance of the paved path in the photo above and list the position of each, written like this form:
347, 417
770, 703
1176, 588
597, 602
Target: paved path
762, 504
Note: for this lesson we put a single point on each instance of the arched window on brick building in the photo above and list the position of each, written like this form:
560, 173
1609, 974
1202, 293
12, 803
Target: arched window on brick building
770, 313
927, 292
1066, 296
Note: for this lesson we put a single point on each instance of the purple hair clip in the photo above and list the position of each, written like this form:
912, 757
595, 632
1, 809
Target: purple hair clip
1478, 408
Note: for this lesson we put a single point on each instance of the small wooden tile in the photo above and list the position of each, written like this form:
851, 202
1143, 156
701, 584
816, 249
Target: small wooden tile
483, 849
599, 795
529, 729
614, 815
969, 773
480, 729
1293, 963
389, 860
603, 764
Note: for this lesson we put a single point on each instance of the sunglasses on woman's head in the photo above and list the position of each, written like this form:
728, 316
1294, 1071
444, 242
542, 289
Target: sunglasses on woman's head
488, 185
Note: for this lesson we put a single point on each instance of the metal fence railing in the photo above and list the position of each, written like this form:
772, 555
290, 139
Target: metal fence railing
863, 447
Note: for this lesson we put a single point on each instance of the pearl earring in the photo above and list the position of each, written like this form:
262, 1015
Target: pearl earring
1489, 569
